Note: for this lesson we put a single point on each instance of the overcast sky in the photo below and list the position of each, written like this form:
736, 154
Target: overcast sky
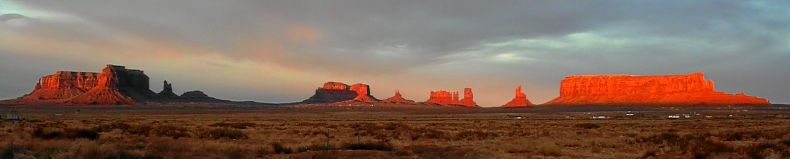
281, 50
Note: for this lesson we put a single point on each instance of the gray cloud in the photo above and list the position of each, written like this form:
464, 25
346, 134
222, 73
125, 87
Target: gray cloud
545, 40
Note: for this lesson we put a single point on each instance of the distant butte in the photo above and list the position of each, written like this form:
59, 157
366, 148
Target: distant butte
690, 89
442, 97
520, 100
398, 99
332, 92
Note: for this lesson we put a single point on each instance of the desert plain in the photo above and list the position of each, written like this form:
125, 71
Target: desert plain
395, 131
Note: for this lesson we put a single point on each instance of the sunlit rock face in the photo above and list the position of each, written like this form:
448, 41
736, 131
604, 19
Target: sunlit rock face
335, 86
363, 93
690, 89
337, 92
60, 86
115, 85
520, 100
442, 97
398, 99
468, 98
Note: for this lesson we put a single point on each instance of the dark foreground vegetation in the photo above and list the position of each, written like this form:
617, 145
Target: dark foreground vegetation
130, 134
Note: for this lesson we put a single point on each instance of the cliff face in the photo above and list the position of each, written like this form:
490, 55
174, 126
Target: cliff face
520, 100
442, 97
690, 89
468, 98
115, 85
337, 92
60, 86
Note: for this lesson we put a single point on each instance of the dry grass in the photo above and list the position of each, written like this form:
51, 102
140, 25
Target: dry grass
385, 135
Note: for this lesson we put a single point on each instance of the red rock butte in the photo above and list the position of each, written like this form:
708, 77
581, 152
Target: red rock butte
680, 90
115, 85
398, 99
442, 97
332, 92
520, 100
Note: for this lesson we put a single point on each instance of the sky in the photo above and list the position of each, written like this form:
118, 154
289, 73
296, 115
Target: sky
282, 50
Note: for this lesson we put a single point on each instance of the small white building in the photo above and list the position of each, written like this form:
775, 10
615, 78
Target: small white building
673, 116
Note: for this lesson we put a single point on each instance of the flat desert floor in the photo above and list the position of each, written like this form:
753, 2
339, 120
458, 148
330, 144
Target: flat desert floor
431, 132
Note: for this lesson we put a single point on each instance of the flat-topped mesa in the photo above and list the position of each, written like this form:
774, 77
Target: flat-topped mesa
442, 97
520, 100
337, 92
117, 86
468, 98
689, 89
398, 99
60, 86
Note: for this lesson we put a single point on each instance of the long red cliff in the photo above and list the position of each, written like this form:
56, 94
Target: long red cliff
689, 89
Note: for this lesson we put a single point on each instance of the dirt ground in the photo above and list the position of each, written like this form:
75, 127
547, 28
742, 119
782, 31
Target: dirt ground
390, 131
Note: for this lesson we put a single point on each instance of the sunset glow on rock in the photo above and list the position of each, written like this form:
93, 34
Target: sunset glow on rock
520, 100
690, 89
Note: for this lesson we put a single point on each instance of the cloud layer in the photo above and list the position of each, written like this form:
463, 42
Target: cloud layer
278, 51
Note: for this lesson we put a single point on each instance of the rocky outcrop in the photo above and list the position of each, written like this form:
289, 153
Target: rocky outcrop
520, 100
117, 86
61, 86
167, 91
468, 98
690, 89
398, 99
337, 92
442, 97
363, 93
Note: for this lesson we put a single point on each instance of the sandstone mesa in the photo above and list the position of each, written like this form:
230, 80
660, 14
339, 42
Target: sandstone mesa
689, 89
332, 92
115, 85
